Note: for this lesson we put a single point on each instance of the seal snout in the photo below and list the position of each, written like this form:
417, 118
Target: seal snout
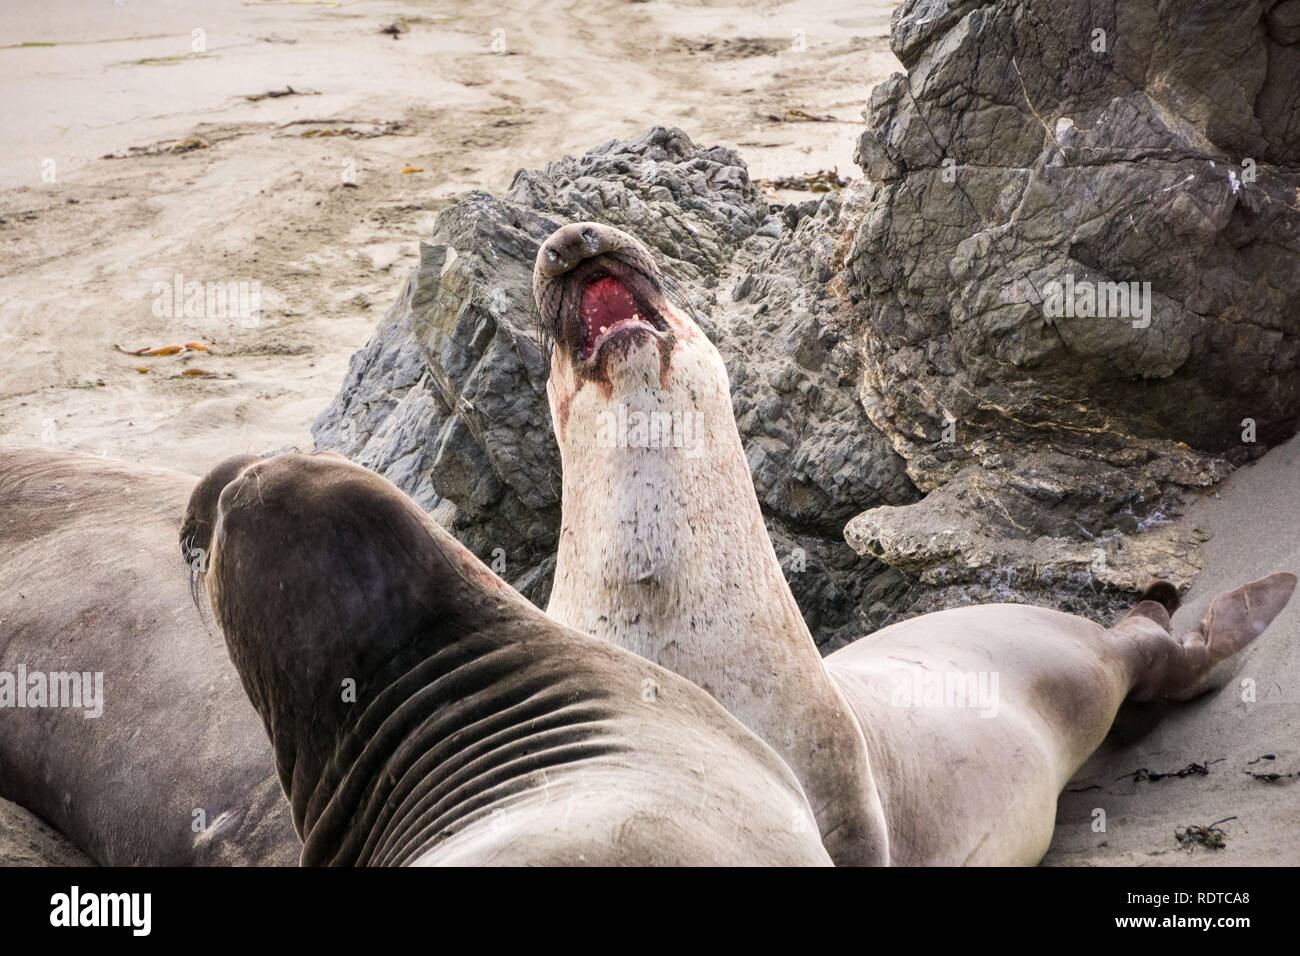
595, 284
200, 518
571, 244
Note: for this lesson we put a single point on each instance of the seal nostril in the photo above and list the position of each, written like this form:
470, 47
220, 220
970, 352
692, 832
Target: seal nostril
552, 255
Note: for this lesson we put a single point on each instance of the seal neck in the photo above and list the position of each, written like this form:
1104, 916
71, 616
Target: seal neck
663, 551
382, 656
662, 544
444, 741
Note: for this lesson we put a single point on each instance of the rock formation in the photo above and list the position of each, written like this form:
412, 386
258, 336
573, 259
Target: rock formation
917, 356
1108, 148
448, 398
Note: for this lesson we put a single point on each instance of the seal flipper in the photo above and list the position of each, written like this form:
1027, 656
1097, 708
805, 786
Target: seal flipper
1157, 603
1234, 619
1164, 594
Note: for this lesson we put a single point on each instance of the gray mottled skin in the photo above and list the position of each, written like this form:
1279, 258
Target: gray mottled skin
90, 581
480, 731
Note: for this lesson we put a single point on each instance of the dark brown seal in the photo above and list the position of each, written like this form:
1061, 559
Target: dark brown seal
423, 712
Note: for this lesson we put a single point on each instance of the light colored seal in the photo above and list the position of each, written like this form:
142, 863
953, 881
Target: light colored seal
663, 551
662, 545
971, 773
161, 761
422, 712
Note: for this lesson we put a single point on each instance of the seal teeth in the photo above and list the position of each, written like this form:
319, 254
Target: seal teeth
607, 305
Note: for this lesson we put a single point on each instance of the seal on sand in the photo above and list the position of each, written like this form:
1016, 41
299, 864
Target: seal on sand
422, 712
663, 551
176, 769
1060, 679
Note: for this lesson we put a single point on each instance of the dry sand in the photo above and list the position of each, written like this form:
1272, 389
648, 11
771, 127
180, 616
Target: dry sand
264, 200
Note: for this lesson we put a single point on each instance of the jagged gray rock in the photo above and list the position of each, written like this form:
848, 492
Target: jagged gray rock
893, 354
448, 401
1112, 142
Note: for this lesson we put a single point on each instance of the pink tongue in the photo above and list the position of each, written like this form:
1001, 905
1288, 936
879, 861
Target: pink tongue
605, 303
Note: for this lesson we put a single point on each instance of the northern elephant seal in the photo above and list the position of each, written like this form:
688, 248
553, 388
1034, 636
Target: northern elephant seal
175, 769
662, 545
663, 551
972, 778
423, 712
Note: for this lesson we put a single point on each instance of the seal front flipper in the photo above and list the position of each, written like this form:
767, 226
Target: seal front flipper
423, 712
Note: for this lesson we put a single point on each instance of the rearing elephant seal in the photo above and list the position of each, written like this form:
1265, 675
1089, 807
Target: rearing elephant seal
663, 551
423, 712
662, 546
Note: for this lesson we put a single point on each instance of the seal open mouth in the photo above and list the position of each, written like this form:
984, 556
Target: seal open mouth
609, 308
596, 287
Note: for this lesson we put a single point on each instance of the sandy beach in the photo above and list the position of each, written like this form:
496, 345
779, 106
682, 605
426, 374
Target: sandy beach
1238, 741
303, 199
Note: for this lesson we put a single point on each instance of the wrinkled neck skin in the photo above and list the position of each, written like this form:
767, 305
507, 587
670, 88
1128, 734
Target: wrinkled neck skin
457, 700
663, 551
651, 537
464, 731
